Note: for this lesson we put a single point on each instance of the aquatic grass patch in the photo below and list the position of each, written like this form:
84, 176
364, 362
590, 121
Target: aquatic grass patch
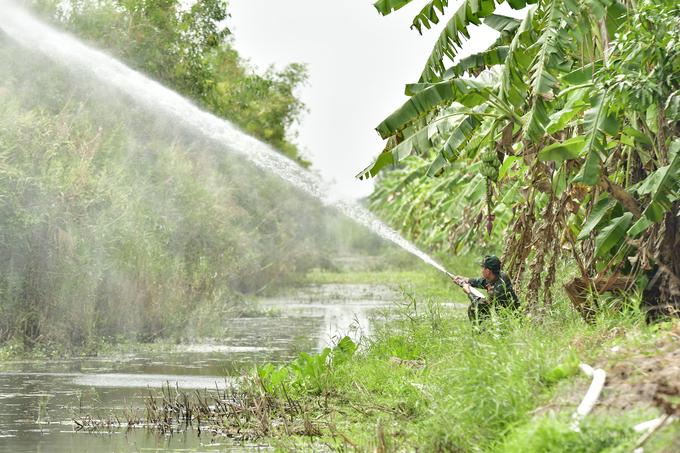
268, 402
309, 374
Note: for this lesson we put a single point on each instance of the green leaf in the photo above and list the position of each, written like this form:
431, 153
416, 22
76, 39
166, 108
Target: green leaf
451, 37
651, 116
550, 58
612, 234
513, 85
428, 15
639, 226
559, 182
385, 7
597, 8
654, 182
674, 152
663, 186
654, 211
617, 13
560, 372
611, 124
346, 345
460, 136
507, 163
438, 163
573, 107
502, 24
570, 149
426, 97
603, 205
517, 4
582, 75
591, 170
672, 105
475, 188
592, 122
373, 169
456, 125
477, 61
639, 137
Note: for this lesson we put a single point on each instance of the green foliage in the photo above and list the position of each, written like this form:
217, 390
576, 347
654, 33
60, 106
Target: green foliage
549, 433
308, 374
116, 225
187, 48
473, 391
563, 370
162, 38
586, 94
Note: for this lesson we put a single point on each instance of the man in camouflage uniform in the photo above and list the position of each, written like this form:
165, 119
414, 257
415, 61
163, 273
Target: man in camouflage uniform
498, 286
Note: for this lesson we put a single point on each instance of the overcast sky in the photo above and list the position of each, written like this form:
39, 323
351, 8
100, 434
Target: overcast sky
358, 61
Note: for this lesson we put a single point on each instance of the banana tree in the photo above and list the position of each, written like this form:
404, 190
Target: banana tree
571, 118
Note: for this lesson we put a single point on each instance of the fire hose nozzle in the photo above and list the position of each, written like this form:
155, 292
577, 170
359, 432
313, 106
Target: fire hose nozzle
453, 277
462, 284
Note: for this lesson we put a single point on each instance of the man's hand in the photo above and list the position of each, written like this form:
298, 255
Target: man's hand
466, 288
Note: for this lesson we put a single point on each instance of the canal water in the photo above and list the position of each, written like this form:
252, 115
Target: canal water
38, 398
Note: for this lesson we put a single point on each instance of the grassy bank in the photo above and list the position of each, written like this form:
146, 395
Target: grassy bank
427, 381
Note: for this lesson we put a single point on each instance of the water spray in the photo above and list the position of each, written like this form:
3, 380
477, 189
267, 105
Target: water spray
156, 98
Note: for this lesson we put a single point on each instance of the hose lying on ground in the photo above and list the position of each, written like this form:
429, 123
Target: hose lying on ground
653, 423
592, 394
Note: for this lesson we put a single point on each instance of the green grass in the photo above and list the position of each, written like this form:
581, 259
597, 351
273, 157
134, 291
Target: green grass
553, 433
476, 391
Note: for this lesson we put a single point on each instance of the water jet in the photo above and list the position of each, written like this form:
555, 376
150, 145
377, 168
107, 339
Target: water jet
154, 97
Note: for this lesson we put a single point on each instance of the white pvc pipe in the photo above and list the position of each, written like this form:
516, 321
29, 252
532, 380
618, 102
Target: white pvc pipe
594, 391
652, 424
592, 394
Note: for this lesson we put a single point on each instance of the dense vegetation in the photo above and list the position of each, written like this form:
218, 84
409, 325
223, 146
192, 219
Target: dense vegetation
560, 139
115, 224
188, 48
426, 380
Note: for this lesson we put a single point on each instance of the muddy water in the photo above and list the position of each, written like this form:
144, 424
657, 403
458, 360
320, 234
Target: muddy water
37, 398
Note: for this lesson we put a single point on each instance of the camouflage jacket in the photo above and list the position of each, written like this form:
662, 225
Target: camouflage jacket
499, 292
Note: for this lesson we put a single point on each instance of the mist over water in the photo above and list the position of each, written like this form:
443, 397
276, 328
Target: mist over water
81, 59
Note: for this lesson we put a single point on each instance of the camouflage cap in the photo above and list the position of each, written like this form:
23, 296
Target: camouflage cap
491, 262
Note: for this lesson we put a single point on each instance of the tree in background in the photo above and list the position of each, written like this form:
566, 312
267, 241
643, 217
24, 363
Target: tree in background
562, 136
186, 47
